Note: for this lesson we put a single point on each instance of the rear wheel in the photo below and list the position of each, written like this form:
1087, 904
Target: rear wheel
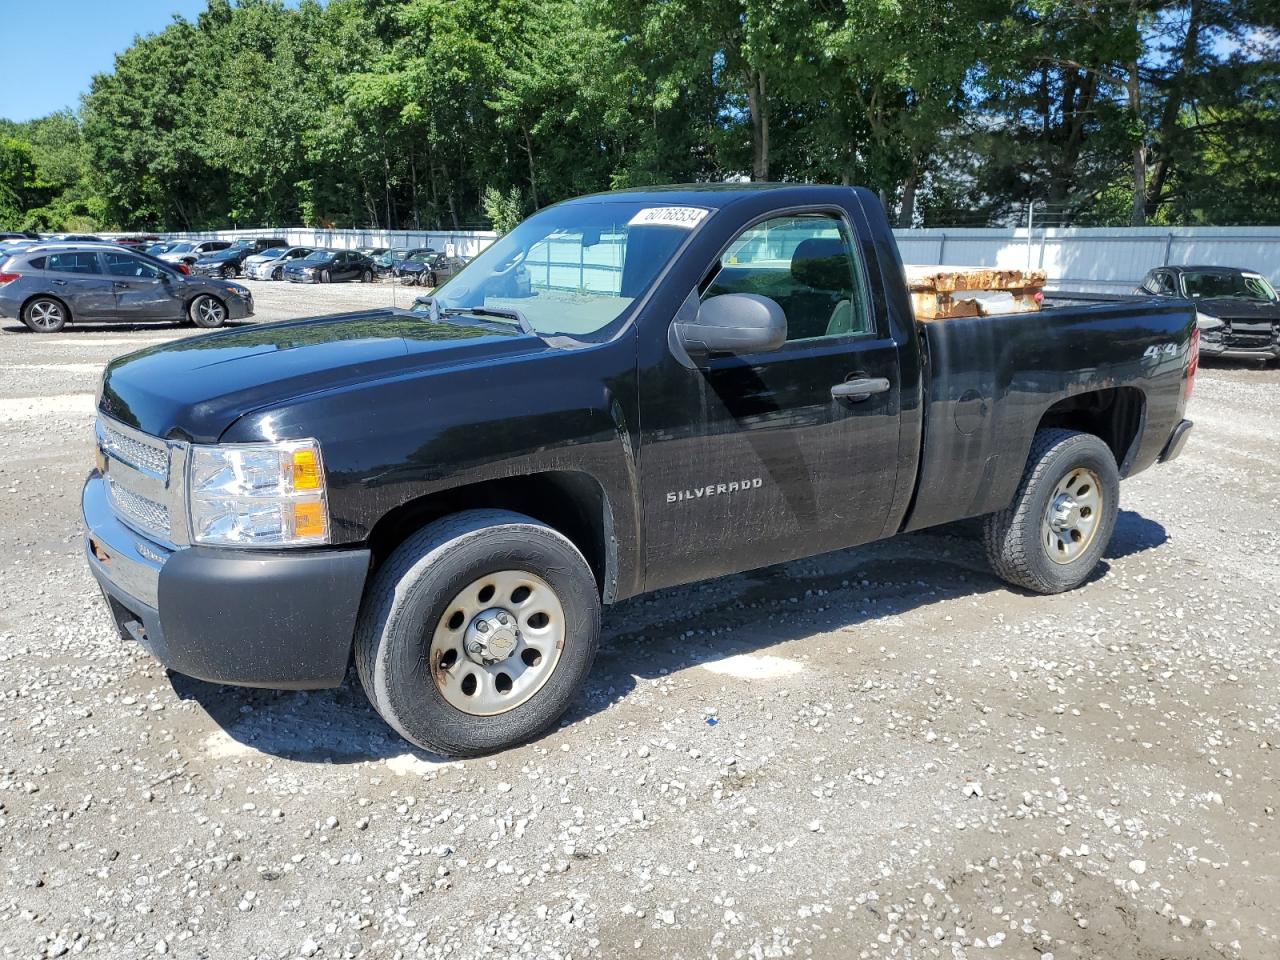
1052, 535
207, 311
45, 315
477, 632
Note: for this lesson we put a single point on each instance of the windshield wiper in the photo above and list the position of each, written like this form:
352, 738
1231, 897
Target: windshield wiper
435, 307
503, 313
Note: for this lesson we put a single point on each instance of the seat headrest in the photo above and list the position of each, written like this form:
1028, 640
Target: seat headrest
821, 263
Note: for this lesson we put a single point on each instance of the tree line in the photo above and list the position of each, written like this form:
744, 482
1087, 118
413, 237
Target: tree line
454, 113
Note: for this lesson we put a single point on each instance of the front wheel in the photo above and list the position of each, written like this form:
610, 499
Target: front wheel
1052, 535
277, 273
228, 273
324, 276
477, 632
207, 312
366, 276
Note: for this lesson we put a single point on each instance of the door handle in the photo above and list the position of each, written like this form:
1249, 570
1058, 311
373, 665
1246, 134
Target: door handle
120, 284
58, 283
857, 390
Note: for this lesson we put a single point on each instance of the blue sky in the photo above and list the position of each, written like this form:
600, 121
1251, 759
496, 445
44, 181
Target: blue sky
53, 47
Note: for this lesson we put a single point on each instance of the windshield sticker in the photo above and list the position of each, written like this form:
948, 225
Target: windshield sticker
685, 217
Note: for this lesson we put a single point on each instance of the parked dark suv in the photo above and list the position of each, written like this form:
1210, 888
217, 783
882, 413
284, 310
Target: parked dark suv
1237, 311
229, 262
428, 268
330, 266
51, 285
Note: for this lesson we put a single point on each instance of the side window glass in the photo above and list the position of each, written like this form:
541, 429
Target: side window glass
808, 265
72, 262
123, 265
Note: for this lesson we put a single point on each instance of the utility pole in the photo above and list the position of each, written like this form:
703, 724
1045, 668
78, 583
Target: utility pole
1031, 214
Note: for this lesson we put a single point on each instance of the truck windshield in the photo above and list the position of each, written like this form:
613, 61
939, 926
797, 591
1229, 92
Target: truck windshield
1240, 286
574, 269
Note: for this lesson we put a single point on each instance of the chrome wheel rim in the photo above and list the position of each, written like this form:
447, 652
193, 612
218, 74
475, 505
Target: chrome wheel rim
45, 315
1072, 515
497, 643
210, 310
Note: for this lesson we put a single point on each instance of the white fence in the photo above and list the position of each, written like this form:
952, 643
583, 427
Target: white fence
1084, 259
1096, 259
465, 243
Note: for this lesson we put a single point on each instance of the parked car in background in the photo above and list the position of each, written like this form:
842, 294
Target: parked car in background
155, 249
9, 246
189, 251
228, 263
48, 286
399, 264
7, 235
74, 238
429, 269
1237, 311
270, 264
330, 266
385, 261
139, 241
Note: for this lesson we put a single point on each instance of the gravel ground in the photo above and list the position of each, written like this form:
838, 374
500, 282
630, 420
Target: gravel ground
882, 752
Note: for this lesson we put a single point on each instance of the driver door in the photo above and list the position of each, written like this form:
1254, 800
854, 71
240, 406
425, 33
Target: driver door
142, 290
752, 460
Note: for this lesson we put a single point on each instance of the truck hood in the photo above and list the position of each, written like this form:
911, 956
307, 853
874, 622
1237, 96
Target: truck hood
1235, 308
194, 389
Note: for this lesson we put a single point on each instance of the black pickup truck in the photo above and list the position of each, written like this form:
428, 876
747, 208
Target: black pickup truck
628, 391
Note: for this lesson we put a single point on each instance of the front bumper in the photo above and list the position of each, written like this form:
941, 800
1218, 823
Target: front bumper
1233, 351
239, 306
282, 618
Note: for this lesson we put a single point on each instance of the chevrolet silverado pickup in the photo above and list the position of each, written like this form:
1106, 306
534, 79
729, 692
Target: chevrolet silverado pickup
627, 392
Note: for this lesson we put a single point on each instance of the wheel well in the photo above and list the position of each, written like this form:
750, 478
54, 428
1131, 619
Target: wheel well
573, 503
1115, 415
45, 296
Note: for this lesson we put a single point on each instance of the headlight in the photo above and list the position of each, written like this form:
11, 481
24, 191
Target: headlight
258, 495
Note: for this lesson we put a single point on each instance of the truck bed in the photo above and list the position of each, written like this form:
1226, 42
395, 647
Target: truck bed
990, 382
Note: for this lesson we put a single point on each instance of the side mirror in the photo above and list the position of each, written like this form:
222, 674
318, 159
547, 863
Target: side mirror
737, 323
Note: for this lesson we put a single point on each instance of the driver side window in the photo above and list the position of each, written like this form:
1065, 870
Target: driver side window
808, 265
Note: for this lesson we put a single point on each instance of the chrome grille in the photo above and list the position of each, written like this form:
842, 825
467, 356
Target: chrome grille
138, 510
153, 458
146, 480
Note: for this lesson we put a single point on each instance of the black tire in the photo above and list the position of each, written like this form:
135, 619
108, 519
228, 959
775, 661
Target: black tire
228, 273
1013, 537
207, 312
413, 590
45, 315
278, 273
324, 276
432, 282
366, 276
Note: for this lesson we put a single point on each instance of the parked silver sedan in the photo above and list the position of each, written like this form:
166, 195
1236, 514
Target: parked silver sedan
270, 264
